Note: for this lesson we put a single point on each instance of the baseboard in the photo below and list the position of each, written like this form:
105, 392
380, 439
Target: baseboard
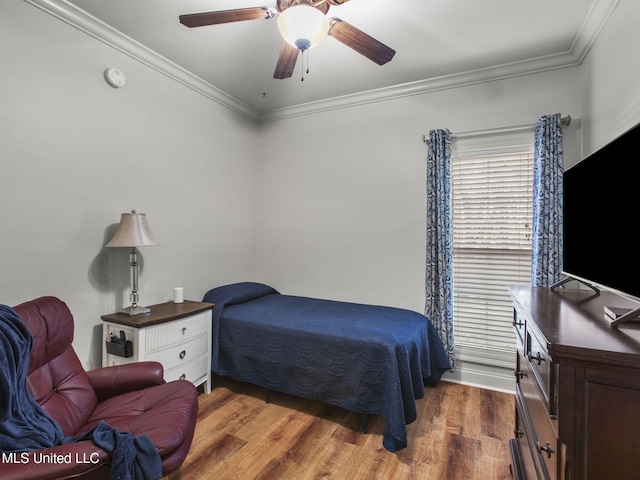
491, 377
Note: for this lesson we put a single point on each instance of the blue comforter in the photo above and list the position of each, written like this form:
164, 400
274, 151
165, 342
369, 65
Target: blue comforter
364, 358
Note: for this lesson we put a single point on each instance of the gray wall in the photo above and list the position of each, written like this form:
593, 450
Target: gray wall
341, 195
610, 79
75, 153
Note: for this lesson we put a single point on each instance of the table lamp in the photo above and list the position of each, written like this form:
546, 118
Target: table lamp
133, 232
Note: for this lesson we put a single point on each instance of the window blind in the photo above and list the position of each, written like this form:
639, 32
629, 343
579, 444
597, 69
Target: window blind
492, 214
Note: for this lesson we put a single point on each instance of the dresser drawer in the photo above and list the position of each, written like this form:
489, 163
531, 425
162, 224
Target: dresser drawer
525, 465
543, 437
542, 367
181, 354
519, 328
179, 331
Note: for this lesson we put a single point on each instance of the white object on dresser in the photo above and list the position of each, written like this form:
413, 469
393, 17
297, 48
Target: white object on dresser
178, 335
178, 295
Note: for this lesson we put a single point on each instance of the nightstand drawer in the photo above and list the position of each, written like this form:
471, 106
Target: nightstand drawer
176, 332
193, 371
182, 353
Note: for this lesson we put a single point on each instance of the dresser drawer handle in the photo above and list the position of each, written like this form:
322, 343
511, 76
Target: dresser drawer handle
183, 376
537, 358
547, 448
184, 330
183, 354
519, 374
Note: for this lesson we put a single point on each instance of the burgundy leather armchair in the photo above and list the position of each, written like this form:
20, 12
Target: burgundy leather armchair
131, 398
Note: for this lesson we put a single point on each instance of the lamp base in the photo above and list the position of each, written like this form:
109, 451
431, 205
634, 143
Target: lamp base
135, 310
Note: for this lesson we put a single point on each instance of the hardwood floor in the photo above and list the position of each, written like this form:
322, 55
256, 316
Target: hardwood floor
461, 433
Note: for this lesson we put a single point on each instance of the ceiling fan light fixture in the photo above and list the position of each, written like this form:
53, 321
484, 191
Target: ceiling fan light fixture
303, 26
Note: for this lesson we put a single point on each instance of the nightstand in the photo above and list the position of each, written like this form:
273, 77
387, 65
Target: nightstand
178, 335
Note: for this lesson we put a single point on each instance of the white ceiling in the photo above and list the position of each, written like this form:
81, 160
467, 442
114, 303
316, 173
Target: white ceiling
435, 40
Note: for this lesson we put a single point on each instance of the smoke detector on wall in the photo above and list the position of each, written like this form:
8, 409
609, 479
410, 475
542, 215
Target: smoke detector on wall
114, 77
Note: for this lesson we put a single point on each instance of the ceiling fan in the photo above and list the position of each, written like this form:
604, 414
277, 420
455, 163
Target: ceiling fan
342, 31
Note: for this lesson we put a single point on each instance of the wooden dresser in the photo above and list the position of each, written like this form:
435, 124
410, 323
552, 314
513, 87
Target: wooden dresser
577, 387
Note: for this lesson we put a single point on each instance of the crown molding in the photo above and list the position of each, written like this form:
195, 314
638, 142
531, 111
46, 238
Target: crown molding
421, 87
597, 17
94, 27
595, 20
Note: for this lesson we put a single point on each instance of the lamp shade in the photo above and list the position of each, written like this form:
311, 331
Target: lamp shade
133, 231
303, 26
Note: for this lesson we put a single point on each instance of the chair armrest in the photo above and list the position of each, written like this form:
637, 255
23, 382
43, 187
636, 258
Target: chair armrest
61, 461
118, 379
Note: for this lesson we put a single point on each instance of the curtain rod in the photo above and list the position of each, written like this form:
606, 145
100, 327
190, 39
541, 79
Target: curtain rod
565, 122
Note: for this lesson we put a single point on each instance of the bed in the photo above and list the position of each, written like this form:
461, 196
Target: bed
364, 358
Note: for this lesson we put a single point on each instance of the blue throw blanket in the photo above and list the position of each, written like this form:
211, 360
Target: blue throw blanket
25, 426
364, 358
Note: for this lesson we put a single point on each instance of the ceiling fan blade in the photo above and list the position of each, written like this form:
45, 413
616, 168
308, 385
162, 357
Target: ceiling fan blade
359, 41
286, 61
226, 16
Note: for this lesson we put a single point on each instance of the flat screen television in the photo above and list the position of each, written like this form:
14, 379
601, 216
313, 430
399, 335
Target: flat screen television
601, 212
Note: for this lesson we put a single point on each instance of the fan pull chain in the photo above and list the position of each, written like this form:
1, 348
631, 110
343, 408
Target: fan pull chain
302, 64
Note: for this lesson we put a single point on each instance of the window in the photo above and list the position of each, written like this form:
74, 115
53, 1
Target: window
492, 213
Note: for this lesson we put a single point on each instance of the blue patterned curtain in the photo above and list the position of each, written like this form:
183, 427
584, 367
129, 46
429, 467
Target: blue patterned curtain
439, 265
547, 202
